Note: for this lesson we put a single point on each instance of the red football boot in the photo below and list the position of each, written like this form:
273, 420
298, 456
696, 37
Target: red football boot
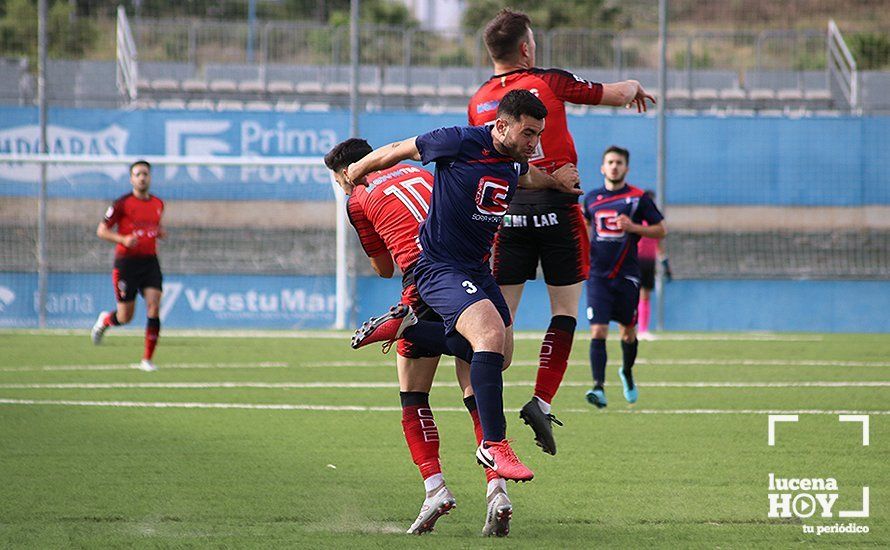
498, 456
387, 328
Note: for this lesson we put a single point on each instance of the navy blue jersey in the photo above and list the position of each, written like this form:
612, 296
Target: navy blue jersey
613, 252
473, 188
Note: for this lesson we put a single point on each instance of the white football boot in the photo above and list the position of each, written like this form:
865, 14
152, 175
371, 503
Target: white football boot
500, 511
99, 328
440, 503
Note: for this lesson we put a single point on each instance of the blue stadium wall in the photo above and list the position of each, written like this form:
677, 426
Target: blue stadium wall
712, 161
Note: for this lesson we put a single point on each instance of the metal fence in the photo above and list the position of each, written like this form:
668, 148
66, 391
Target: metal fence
202, 42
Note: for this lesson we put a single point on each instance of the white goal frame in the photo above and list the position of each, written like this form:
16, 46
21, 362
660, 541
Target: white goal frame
343, 299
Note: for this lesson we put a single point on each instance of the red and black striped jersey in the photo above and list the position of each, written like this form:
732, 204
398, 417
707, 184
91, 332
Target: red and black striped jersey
553, 87
388, 211
140, 217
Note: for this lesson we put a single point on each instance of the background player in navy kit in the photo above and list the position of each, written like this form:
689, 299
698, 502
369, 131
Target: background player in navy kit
477, 172
614, 215
542, 225
137, 216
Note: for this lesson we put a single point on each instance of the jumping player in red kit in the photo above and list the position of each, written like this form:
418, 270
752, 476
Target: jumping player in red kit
137, 216
542, 224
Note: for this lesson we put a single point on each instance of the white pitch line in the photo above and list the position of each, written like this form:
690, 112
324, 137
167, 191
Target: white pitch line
391, 385
129, 366
354, 408
335, 335
645, 361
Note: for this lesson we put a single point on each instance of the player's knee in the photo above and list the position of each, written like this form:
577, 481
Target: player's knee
124, 318
489, 339
599, 332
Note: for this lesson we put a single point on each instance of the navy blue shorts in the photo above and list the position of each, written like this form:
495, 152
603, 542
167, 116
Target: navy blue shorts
450, 290
612, 300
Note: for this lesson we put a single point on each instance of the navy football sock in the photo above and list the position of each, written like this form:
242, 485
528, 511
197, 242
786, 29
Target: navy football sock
488, 386
459, 347
598, 360
630, 356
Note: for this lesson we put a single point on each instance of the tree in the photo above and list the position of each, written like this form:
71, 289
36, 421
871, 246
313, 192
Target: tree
590, 14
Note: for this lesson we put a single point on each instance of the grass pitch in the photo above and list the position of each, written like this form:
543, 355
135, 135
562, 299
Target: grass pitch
296, 442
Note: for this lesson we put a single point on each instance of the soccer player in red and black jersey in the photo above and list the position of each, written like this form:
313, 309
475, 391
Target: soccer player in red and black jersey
542, 224
137, 216
386, 209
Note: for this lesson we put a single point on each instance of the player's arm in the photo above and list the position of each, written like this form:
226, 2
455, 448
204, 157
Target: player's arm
653, 231
383, 265
564, 180
626, 93
107, 234
383, 158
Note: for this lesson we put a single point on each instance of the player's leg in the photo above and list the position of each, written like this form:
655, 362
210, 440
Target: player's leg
152, 298
499, 508
565, 261
599, 313
422, 436
151, 285
627, 297
125, 295
463, 302
647, 283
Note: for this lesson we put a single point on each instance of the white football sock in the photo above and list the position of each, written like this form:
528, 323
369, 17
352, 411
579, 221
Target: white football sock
496, 483
544, 406
433, 482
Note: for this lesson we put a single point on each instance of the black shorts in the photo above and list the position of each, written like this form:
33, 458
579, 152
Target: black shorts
555, 235
647, 273
411, 297
132, 275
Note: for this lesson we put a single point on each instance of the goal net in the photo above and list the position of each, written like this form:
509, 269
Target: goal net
251, 242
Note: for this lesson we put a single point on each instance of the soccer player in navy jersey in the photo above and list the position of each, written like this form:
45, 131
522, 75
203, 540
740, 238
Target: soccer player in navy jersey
137, 216
542, 225
477, 172
615, 214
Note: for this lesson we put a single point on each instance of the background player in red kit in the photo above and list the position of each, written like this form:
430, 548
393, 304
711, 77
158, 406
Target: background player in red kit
137, 216
386, 208
542, 224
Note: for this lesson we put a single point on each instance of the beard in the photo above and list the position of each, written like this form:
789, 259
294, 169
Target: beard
615, 181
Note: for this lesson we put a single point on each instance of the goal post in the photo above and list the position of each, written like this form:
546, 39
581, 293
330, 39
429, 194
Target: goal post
232, 221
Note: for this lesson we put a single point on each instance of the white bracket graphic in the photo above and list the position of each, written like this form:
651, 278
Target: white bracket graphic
858, 418
860, 513
773, 418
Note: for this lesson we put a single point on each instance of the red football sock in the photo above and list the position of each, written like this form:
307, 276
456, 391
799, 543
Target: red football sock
477, 429
644, 312
421, 432
554, 358
152, 331
111, 320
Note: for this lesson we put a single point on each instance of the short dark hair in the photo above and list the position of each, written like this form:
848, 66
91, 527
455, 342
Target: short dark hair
345, 153
522, 102
142, 162
619, 150
504, 33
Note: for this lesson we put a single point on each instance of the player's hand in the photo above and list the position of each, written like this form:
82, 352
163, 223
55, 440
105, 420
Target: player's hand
625, 223
352, 174
130, 240
640, 98
568, 179
162, 233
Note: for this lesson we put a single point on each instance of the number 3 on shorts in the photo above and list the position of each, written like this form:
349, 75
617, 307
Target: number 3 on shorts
469, 286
